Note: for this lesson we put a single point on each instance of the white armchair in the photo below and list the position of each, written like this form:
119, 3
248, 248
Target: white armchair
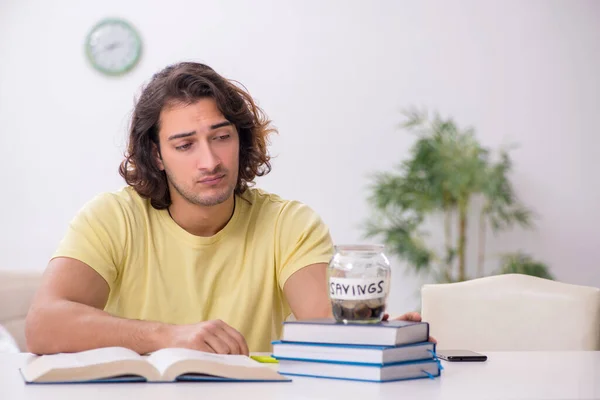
512, 312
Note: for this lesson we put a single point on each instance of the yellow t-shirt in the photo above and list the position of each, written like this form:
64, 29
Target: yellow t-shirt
158, 271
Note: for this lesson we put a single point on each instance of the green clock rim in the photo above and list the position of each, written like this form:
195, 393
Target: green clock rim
138, 49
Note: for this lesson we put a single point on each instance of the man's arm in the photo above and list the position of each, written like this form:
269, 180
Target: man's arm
67, 316
306, 292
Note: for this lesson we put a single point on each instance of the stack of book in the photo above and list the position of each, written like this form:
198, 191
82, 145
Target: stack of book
382, 352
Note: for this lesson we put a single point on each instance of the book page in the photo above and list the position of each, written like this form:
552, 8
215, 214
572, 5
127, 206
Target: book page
43, 364
163, 359
86, 358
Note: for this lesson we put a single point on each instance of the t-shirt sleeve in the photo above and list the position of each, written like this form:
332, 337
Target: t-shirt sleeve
303, 239
96, 236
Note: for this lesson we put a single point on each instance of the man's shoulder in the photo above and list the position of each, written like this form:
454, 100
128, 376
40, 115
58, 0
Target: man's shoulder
273, 206
258, 197
122, 201
263, 200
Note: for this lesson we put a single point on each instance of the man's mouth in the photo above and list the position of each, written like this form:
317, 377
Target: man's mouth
211, 180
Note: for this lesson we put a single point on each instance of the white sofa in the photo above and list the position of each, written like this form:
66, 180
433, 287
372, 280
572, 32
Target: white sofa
16, 292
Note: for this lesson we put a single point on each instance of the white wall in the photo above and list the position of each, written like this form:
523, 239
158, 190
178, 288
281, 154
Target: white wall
333, 75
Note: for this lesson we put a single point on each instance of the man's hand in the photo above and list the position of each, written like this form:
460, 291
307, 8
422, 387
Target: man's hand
210, 336
411, 316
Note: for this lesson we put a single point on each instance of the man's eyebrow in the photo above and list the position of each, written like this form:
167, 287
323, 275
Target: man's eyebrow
187, 134
220, 125
181, 135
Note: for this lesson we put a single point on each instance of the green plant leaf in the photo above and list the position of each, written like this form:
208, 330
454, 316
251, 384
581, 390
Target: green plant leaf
401, 238
521, 263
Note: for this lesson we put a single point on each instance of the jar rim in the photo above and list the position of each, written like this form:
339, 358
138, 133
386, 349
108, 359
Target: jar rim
359, 247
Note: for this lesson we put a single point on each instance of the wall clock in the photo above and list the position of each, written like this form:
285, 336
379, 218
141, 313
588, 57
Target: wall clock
113, 46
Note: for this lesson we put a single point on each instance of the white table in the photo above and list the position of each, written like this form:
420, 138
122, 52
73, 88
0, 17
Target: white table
506, 375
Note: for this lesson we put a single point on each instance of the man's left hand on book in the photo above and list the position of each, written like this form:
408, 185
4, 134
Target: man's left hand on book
213, 336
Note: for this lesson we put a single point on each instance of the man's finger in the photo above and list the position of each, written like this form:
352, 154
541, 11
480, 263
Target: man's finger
238, 337
412, 316
217, 344
234, 346
202, 346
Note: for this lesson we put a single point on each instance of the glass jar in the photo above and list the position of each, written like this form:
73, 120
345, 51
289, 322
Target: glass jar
359, 283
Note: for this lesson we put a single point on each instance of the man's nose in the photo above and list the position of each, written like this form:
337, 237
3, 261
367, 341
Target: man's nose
207, 158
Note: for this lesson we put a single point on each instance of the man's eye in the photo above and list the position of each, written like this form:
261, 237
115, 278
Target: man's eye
223, 137
183, 147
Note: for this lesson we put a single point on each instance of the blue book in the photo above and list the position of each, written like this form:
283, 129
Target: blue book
118, 364
378, 355
385, 333
360, 371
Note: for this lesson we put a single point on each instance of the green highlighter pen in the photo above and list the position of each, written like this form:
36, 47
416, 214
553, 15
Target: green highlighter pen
264, 359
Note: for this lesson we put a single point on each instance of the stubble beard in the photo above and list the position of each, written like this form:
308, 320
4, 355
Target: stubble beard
199, 199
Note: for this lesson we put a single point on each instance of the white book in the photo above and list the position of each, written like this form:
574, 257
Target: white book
118, 364
353, 353
386, 333
362, 372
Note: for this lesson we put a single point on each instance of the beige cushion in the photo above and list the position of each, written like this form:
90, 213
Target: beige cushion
513, 312
7, 342
16, 292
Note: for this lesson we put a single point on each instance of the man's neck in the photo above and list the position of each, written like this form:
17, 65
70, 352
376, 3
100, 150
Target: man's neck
200, 220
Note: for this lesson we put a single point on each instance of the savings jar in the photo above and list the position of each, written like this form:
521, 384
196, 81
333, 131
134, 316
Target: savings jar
359, 282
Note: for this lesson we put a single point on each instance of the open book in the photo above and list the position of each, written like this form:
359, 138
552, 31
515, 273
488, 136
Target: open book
118, 364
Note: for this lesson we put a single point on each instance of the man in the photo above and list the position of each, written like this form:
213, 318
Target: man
186, 255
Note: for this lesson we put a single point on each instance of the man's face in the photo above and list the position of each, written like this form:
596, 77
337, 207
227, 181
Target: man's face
199, 151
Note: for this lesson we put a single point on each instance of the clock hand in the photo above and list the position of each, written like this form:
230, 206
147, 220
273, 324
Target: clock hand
111, 46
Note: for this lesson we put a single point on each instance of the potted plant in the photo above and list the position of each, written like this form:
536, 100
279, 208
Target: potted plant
449, 174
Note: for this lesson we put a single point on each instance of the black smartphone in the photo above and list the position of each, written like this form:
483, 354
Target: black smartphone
460, 355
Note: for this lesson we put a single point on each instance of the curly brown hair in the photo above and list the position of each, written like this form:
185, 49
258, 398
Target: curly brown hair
186, 83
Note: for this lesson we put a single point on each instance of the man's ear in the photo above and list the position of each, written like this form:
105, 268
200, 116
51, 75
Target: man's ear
157, 157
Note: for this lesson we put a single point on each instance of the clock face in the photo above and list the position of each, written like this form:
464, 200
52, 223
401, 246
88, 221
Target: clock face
113, 47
